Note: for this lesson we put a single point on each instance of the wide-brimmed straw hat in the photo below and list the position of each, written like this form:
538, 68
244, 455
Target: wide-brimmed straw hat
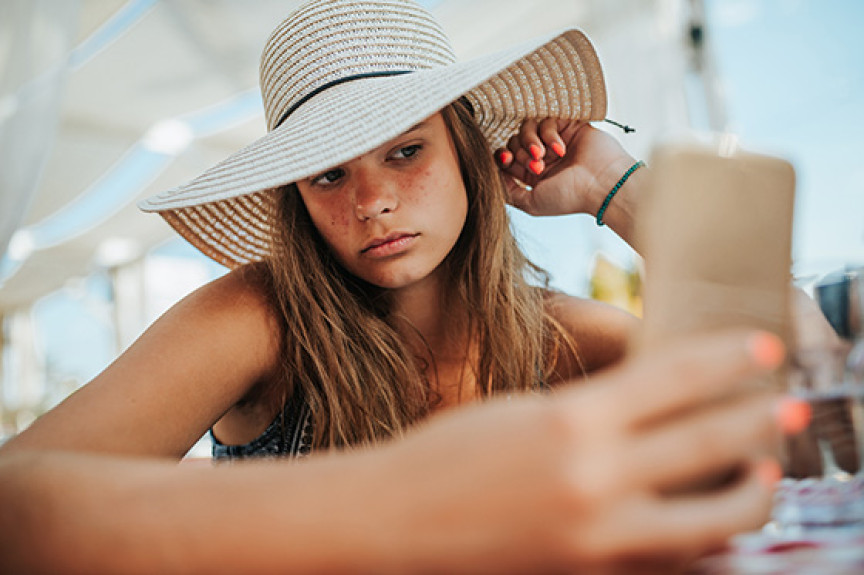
340, 78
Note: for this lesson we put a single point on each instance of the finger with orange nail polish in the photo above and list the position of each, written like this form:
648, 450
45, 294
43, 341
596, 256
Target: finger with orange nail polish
793, 415
767, 349
768, 471
559, 149
550, 137
536, 166
536, 152
505, 158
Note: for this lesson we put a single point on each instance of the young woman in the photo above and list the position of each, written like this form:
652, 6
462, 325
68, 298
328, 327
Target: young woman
375, 279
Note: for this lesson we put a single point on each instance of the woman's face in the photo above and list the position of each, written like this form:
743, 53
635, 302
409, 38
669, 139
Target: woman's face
391, 216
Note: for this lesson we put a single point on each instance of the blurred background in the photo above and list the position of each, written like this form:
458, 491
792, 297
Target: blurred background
105, 102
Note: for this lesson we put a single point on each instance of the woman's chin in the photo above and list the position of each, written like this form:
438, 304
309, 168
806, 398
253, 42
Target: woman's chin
398, 281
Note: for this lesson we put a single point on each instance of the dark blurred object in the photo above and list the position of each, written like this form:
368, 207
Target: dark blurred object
841, 298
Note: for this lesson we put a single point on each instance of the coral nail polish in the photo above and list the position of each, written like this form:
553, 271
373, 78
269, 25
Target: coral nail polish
505, 157
793, 415
769, 472
767, 350
536, 166
558, 149
535, 151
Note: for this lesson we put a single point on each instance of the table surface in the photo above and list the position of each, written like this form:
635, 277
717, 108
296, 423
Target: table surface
837, 551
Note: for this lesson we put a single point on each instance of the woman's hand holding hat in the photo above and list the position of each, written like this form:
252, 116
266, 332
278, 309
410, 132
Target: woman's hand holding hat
568, 167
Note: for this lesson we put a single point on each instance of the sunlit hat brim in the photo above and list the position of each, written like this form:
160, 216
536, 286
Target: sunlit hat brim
223, 212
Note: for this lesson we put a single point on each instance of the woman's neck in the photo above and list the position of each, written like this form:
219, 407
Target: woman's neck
439, 335
428, 322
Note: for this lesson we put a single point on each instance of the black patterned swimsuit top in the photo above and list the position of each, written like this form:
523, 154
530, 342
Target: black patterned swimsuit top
290, 435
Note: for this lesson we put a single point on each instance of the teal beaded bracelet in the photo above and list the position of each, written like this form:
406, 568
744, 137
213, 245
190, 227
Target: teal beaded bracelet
614, 191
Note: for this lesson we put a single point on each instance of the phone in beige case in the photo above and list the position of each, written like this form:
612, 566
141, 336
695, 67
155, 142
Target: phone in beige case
716, 234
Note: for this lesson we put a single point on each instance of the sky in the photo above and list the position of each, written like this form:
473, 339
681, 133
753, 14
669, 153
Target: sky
793, 80
794, 84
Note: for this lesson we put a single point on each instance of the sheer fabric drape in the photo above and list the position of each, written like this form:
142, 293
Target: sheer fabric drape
36, 37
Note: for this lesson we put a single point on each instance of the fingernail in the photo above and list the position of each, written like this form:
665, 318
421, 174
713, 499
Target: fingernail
769, 472
536, 152
767, 349
505, 157
793, 415
536, 166
558, 149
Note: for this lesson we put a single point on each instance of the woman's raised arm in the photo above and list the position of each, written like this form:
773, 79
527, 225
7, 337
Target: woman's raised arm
571, 168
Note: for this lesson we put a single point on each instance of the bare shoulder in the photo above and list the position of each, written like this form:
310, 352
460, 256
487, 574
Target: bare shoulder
601, 331
243, 296
232, 318
183, 374
234, 310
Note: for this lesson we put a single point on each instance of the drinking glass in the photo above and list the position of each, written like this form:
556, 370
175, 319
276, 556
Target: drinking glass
823, 484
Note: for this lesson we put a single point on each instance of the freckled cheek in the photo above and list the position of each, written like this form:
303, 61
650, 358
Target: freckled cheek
332, 221
426, 185
339, 221
329, 215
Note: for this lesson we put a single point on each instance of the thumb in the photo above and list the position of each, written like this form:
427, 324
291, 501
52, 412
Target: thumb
518, 195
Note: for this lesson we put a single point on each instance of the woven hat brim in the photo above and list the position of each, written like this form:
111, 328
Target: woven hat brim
224, 211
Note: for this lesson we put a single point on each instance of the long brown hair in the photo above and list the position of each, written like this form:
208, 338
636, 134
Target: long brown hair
341, 349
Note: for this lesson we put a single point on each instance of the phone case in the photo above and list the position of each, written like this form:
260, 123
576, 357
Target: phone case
716, 235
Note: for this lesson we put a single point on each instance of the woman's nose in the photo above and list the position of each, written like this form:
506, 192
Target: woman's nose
374, 197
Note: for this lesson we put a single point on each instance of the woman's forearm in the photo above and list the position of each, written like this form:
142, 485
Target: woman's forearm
78, 513
520, 486
621, 212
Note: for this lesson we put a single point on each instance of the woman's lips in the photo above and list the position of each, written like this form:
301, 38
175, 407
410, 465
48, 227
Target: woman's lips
390, 245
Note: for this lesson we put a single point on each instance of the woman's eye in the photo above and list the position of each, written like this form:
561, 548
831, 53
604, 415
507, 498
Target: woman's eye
407, 151
328, 177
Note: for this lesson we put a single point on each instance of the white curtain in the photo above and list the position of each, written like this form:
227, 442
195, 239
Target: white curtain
36, 37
